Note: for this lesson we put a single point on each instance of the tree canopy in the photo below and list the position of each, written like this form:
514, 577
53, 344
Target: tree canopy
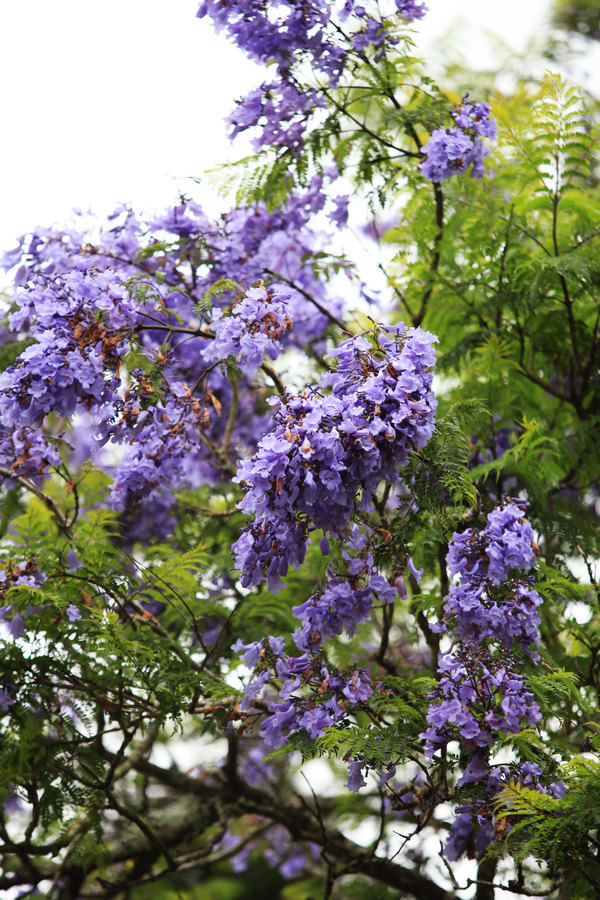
299, 533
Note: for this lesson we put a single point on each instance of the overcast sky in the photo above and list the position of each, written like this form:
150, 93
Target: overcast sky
123, 100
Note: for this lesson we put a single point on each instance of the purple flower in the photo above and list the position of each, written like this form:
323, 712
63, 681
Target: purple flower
453, 150
355, 776
339, 214
6, 701
15, 626
411, 9
416, 573
477, 769
460, 838
252, 652
73, 561
358, 687
73, 613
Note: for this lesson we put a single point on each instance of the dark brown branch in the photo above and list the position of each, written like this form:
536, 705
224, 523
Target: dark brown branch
322, 309
59, 518
302, 826
435, 260
486, 871
563, 281
279, 385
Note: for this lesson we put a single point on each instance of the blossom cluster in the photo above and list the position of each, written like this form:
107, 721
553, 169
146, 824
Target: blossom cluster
492, 607
252, 331
453, 150
83, 307
339, 606
278, 851
279, 109
314, 696
28, 451
280, 30
332, 445
25, 574
76, 354
474, 827
411, 9
481, 692
478, 696
161, 438
286, 32
276, 31
487, 602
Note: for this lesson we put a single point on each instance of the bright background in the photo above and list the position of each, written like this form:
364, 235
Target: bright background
124, 100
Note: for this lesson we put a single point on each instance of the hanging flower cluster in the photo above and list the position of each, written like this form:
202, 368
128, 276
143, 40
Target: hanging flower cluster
451, 151
483, 690
288, 33
332, 445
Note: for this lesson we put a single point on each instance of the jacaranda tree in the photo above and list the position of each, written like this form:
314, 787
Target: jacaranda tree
262, 505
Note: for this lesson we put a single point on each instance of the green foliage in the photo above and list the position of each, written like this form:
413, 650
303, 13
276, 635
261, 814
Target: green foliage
557, 830
217, 290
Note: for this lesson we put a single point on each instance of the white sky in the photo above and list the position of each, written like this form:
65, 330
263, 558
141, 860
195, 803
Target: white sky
123, 100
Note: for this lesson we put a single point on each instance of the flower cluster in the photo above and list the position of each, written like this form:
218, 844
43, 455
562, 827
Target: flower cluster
340, 606
324, 699
280, 30
314, 697
278, 851
344, 600
276, 31
452, 150
279, 109
478, 696
409, 9
474, 827
81, 323
332, 446
481, 693
77, 320
25, 574
487, 602
285, 32
27, 451
492, 607
252, 331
